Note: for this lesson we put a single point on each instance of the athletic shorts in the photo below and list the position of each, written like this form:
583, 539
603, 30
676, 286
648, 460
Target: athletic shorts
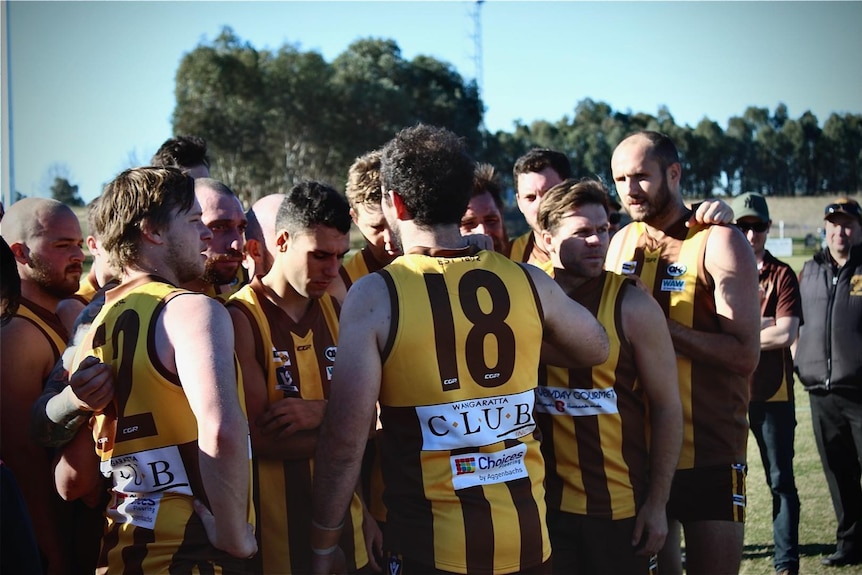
400, 565
714, 493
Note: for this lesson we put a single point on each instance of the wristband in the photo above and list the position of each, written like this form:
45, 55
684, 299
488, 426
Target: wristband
324, 552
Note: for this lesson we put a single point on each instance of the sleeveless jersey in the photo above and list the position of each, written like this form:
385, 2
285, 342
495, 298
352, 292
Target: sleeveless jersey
47, 322
462, 467
297, 358
593, 420
673, 270
147, 443
359, 264
524, 247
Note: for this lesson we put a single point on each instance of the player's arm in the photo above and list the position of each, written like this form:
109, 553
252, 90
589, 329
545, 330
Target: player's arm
68, 311
736, 347
199, 332
365, 320
655, 360
268, 445
573, 337
76, 470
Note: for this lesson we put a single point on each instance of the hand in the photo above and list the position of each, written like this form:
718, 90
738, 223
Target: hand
650, 529
291, 414
245, 548
334, 562
481, 241
711, 212
373, 539
92, 385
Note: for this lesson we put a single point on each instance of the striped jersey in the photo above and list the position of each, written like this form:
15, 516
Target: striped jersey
297, 358
524, 250
147, 443
593, 420
714, 400
462, 467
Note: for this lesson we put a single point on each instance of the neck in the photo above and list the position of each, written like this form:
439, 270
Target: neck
658, 224
33, 292
280, 292
437, 237
568, 280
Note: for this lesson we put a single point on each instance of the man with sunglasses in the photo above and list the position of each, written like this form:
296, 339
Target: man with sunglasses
829, 365
771, 410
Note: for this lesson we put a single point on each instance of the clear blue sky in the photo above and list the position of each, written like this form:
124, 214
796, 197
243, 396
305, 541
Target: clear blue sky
93, 82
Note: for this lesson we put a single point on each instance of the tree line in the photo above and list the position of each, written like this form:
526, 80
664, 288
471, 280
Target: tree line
274, 117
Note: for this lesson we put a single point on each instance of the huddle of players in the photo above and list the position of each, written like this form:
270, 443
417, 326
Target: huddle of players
611, 433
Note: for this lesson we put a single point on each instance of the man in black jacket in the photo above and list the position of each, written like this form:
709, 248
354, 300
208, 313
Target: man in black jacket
829, 364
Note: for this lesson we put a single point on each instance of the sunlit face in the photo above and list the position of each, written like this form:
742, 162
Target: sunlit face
372, 225
642, 187
224, 216
580, 242
313, 258
187, 238
484, 217
56, 257
842, 233
393, 231
531, 187
749, 226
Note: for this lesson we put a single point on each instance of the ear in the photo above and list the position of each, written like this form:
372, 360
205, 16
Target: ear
282, 239
674, 173
401, 211
354, 216
149, 233
546, 241
21, 252
92, 245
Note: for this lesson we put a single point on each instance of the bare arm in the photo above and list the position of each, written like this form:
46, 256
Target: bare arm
364, 322
76, 470
731, 263
199, 332
656, 368
573, 336
782, 333
265, 442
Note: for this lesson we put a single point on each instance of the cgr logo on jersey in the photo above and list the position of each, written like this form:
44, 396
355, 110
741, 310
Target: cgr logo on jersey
476, 422
329, 353
629, 267
675, 270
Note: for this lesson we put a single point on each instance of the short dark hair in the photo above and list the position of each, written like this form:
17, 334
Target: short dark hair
309, 204
538, 159
430, 169
567, 195
662, 149
182, 152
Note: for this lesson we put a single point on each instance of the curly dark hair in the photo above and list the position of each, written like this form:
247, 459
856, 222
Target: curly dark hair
310, 204
430, 169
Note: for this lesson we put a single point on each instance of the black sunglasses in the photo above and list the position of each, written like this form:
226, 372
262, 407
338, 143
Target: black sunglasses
758, 227
846, 208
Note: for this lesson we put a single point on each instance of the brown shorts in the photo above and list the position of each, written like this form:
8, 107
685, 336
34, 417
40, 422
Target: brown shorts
708, 494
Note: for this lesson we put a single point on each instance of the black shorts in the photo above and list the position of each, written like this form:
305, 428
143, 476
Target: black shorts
714, 493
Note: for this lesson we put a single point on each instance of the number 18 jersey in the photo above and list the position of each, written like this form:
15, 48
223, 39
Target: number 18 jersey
462, 467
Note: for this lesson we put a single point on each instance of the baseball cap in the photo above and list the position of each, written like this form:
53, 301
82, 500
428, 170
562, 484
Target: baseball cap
844, 206
750, 204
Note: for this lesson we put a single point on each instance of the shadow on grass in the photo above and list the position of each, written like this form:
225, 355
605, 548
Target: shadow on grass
766, 551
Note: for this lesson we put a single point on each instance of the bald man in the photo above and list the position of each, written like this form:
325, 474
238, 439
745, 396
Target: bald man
45, 237
260, 245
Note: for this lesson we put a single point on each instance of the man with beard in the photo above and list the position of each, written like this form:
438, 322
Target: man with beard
705, 280
45, 237
609, 460
225, 218
174, 442
286, 327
